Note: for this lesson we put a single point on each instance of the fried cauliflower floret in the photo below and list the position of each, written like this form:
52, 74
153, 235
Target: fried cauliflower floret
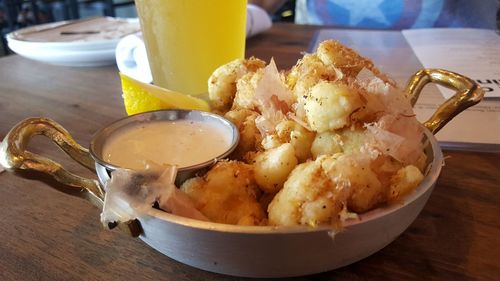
271, 141
289, 131
329, 106
385, 167
280, 136
227, 194
250, 137
245, 90
332, 52
353, 172
273, 166
301, 139
307, 198
350, 62
239, 116
308, 72
222, 83
353, 139
404, 181
349, 140
326, 143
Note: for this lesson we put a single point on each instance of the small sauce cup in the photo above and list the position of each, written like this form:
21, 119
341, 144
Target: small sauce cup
102, 137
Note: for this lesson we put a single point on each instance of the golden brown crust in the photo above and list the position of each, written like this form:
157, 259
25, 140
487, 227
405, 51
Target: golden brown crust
325, 139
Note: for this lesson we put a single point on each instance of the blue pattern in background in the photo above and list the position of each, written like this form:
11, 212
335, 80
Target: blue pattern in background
393, 10
398, 14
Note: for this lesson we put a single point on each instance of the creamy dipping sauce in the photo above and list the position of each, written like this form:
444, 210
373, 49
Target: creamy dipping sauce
181, 142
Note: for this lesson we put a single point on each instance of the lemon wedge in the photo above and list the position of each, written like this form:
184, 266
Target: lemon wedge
141, 97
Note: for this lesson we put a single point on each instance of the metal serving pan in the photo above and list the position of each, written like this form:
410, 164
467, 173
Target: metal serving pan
252, 251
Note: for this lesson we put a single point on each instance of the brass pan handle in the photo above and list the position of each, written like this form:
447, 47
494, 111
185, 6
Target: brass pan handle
13, 155
468, 93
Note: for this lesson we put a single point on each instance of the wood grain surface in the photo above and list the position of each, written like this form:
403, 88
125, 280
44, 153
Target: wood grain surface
48, 235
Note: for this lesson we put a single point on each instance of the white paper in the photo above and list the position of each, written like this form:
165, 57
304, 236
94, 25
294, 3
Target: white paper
474, 53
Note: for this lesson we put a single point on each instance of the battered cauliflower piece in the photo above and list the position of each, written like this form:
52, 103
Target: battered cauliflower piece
332, 52
309, 71
250, 137
280, 136
245, 90
385, 167
301, 139
353, 139
273, 166
227, 194
404, 182
326, 143
317, 191
349, 140
289, 131
353, 172
308, 197
239, 116
329, 106
222, 83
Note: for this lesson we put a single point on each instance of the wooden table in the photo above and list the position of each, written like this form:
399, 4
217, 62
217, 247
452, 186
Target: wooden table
48, 235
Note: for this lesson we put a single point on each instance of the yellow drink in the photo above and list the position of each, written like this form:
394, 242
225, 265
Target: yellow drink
186, 40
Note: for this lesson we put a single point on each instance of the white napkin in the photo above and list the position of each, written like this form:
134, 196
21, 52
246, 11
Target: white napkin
132, 59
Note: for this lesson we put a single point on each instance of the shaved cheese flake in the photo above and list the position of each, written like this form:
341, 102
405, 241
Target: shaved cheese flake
129, 194
266, 122
272, 84
387, 142
299, 121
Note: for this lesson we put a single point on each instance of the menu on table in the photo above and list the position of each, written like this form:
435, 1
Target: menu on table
470, 52
474, 53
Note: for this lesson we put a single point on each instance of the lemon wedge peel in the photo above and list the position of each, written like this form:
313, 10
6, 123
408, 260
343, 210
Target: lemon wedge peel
141, 97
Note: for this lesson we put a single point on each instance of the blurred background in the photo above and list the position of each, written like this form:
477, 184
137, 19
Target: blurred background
15, 14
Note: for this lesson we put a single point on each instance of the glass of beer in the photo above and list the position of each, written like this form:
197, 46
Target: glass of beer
186, 40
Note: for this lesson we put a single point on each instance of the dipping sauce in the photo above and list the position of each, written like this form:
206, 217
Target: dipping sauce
181, 142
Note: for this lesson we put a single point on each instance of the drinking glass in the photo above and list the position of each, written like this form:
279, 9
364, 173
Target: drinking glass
186, 40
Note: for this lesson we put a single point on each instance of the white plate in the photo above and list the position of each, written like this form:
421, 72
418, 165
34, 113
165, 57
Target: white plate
86, 50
